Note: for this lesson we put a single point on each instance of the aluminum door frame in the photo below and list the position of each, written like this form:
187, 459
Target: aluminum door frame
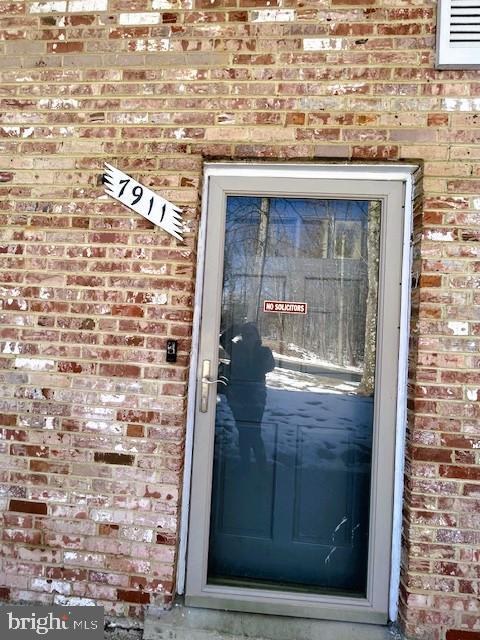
385, 183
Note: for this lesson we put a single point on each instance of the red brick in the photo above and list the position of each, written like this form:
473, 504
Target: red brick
8, 421
79, 19
380, 152
465, 473
145, 417
28, 507
127, 310
4, 593
31, 451
22, 537
352, 2
430, 281
44, 466
431, 454
135, 431
65, 573
129, 32
85, 281
266, 4
115, 370
76, 367
114, 458
461, 634
437, 119
141, 597
65, 47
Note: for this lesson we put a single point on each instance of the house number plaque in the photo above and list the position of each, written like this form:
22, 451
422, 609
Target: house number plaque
143, 200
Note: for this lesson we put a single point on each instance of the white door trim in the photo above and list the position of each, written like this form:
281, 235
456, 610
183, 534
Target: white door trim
386, 172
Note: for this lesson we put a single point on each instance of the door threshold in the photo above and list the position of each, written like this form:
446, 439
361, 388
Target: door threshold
287, 604
183, 622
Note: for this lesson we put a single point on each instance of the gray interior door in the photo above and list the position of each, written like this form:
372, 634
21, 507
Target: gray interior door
293, 426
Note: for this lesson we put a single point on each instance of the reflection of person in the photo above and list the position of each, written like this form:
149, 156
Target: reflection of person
246, 391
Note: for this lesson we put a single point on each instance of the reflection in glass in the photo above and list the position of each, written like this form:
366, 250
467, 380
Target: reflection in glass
293, 429
249, 361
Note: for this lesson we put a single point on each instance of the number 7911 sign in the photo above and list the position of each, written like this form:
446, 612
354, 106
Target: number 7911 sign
143, 200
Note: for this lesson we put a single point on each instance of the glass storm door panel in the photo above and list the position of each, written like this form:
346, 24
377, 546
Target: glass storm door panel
290, 497
295, 407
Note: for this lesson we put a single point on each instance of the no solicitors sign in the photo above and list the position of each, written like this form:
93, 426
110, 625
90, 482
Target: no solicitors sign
280, 306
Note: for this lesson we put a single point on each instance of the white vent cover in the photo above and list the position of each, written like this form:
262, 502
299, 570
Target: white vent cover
458, 33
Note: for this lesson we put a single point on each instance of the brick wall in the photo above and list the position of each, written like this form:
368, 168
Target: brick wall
92, 416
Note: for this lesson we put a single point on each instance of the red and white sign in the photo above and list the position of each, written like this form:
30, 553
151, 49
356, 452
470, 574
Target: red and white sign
279, 306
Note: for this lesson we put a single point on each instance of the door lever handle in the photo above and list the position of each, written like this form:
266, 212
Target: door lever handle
205, 383
208, 381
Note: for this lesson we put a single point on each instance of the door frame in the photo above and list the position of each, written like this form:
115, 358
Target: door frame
285, 603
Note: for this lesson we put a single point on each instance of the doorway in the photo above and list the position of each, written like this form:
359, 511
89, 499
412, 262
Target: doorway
292, 484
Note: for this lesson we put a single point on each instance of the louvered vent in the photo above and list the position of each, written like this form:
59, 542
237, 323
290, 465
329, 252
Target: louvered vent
465, 22
458, 33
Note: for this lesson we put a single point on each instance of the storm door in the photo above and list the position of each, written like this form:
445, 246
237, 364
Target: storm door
296, 397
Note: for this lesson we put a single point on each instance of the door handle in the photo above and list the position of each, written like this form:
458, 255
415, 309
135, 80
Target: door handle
205, 385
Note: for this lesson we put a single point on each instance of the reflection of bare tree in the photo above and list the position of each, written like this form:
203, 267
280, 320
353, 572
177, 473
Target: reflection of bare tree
323, 252
254, 302
373, 252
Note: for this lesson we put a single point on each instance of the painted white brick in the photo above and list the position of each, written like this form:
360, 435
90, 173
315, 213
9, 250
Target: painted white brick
51, 586
110, 398
58, 103
49, 7
152, 44
461, 104
171, 4
179, 133
458, 328
13, 131
34, 365
11, 347
87, 5
160, 298
273, 15
163, 4
139, 18
322, 44
438, 236
73, 601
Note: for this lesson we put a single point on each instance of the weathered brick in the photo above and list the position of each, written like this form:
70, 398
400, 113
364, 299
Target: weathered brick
114, 458
461, 634
28, 507
64, 47
91, 292
129, 371
142, 597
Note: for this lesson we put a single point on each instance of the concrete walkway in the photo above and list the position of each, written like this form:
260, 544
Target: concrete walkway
188, 623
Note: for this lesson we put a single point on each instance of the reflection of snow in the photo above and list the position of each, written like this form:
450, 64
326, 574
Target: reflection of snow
310, 356
332, 428
290, 380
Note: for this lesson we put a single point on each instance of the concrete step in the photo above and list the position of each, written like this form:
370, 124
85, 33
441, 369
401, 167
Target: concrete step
189, 623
